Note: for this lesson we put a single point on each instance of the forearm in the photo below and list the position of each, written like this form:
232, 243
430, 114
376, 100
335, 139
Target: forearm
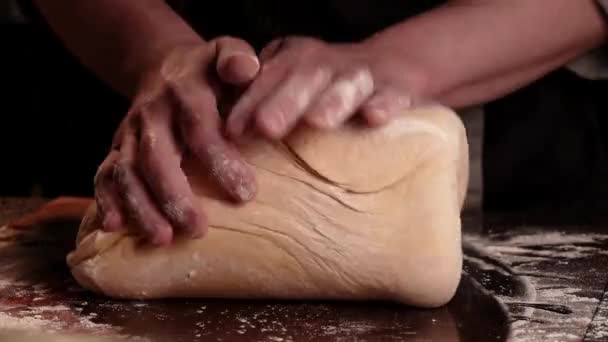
494, 87
475, 51
118, 39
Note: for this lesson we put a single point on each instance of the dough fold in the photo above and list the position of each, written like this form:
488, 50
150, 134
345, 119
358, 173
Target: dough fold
353, 214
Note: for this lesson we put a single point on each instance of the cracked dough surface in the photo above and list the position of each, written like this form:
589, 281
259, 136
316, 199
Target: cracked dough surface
354, 214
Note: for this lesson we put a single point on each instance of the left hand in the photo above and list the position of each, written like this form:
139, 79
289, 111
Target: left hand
323, 84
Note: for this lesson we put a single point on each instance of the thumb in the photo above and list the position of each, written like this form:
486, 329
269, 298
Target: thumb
237, 62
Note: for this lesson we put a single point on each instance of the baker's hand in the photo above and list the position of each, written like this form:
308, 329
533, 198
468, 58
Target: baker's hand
175, 113
304, 79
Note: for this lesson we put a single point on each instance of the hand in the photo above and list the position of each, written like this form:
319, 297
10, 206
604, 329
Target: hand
175, 112
304, 79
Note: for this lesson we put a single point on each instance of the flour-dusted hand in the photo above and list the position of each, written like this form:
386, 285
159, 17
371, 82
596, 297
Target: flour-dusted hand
323, 84
174, 114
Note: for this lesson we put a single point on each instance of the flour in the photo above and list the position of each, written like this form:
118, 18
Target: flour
555, 238
598, 331
347, 328
8, 322
541, 247
560, 311
275, 339
52, 319
414, 126
563, 336
567, 295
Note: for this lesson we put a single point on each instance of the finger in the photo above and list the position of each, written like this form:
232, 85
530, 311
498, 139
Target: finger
135, 199
385, 105
241, 114
342, 99
200, 126
276, 115
106, 195
270, 50
237, 62
159, 162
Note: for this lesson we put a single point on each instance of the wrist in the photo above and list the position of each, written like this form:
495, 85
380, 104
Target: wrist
143, 61
397, 64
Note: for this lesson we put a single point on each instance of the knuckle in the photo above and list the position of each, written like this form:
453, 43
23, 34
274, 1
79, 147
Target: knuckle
142, 109
122, 173
321, 75
101, 208
137, 106
359, 79
100, 177
148, 143
103, 173
362, 74
307, 46
175, 88
134, 121
357, 74
100, 174
173, 84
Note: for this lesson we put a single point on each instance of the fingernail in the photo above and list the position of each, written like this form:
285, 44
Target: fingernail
244, 187
376, 116
245, 192
241, 67
323, 120
232, 174
273, 125
254, 60
162, 236
198, 233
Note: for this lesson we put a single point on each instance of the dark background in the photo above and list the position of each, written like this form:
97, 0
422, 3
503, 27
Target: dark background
57, 119
544, 146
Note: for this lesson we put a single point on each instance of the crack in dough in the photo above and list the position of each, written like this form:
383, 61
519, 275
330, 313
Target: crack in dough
327, 193
353, 214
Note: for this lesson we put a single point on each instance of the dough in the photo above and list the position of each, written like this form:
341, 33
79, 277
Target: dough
354, 214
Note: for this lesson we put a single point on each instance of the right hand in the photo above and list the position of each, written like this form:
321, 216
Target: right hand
174, 113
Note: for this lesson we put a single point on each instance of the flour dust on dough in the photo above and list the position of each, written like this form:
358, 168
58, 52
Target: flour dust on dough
352, 214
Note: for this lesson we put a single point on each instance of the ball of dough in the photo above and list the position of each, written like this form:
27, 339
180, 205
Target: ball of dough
353, 214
